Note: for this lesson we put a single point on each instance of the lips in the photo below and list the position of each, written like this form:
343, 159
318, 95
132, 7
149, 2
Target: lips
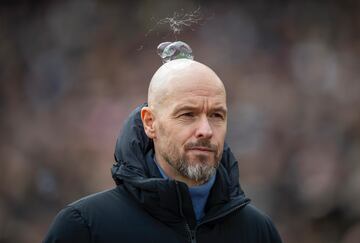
201, 146
204, 149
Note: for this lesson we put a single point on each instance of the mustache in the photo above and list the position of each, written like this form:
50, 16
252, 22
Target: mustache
201, 143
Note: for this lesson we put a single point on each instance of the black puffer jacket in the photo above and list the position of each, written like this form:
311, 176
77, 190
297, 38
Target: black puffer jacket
143, 207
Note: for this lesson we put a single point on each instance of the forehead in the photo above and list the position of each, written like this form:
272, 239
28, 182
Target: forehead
186, 82
191, 86
196, 98
203, 81
195, 87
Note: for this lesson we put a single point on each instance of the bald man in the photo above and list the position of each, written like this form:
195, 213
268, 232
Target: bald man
176, 179
186, 119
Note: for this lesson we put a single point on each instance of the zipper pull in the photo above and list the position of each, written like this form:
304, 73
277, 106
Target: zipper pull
192, 236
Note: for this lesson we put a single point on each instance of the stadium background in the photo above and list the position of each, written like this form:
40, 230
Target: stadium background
71, 71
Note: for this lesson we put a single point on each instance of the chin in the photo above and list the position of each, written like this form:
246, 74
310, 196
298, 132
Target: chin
206, 161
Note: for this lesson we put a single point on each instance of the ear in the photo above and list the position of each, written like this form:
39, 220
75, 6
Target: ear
147, 118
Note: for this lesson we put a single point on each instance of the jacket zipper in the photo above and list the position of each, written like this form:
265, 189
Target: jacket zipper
191, 233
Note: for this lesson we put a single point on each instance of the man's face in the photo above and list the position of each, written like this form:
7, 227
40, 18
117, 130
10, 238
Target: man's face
191, 127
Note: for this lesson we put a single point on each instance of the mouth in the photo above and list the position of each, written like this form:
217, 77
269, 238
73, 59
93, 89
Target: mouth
202, 149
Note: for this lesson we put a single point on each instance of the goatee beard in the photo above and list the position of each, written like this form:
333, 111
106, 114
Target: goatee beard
199, 172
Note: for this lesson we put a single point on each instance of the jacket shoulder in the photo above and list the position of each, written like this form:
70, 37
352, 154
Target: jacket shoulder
68, 226
96, 200
74, 223
255, 224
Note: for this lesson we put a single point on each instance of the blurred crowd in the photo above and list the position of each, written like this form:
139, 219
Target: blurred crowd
71, 72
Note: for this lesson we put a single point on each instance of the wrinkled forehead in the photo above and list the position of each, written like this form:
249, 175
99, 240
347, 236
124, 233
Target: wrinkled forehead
198, 85
184, 77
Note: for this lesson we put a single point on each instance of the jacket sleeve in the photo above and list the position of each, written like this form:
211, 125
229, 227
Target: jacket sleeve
68, 226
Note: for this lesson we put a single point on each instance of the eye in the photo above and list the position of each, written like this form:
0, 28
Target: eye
217, 115
187, 114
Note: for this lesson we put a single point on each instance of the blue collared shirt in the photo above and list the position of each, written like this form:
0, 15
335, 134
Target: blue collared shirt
199, 194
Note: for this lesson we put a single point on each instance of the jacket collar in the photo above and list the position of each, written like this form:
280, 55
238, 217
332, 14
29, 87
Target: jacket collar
165, 199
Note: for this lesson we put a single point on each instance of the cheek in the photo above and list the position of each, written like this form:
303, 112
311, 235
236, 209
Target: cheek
220, 139
160, 131
180, 135
166, 136
220, 133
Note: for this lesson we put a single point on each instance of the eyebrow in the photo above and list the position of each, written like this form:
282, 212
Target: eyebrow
179, 108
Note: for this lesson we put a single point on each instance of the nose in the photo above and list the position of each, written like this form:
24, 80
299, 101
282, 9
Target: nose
204, 129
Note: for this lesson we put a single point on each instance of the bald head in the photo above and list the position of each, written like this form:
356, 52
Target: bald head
179, 75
